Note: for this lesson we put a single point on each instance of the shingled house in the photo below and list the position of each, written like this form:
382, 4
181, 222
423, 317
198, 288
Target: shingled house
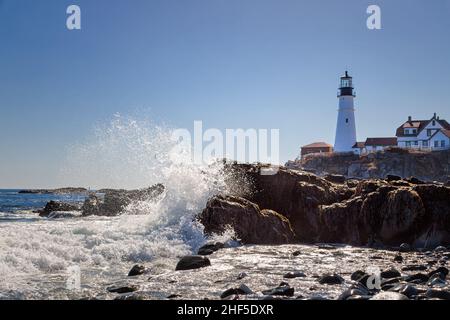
433, 134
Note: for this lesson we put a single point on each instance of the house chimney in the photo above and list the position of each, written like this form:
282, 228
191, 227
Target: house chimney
434, 115
409, 119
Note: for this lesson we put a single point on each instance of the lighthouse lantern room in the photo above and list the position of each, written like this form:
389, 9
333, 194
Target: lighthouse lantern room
346, 128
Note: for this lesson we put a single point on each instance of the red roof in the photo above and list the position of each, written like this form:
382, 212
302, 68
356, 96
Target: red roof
318, 145
359, 145
381, 141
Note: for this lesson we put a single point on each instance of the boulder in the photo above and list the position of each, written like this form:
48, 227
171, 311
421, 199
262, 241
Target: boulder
331, 279
136, 270
251, 224
210, 248
389, 296
114, 202
192, 262
55, 206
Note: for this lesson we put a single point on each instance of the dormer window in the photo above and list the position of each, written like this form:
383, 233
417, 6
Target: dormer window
434, 123
406, 131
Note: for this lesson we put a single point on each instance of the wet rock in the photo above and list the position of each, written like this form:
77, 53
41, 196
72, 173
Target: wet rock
398, 258
292, 275
174, 296
210, 248
438, 294
387, 295
251, 224
55, 206
282, 290
355, 290
406, 289
419, 267
131, 297
442, 272
417, 278
114, 201
390, 273
440, 249
404, 247
242, 290
122, 289
331, 279
436, 281
296, 253
242, 275
136, 270
192, 262
357, 275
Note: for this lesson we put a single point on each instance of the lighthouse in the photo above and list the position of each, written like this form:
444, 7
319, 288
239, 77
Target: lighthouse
346, 128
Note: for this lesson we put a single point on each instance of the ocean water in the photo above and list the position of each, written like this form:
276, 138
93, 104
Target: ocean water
38, 255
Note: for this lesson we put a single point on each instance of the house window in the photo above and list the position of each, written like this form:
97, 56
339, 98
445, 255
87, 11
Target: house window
434, 123
346, 120
406, 131
428, 132
425, 143
416, 143
442, 143
408, 144
414, 131
436, 144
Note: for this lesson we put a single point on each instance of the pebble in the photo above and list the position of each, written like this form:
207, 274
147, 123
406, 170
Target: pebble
282, 290
122, 289
292, 275
438, 293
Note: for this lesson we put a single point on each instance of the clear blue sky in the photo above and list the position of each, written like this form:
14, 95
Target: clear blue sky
230, 63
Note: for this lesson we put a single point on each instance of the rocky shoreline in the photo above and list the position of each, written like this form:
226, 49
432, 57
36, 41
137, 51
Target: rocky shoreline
393, 235
294, 272
300, 207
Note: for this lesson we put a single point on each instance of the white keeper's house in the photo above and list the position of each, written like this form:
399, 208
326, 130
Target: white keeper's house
433, 134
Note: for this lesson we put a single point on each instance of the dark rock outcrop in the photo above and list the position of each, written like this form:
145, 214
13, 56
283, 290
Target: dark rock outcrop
55, 206
372, 212
252, 225
114, 201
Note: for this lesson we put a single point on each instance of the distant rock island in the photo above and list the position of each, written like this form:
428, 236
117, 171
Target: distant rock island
68, 190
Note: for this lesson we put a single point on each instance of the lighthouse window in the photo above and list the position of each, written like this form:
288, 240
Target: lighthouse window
346, 120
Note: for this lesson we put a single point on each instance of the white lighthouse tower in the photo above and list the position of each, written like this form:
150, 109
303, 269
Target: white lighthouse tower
346, 129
